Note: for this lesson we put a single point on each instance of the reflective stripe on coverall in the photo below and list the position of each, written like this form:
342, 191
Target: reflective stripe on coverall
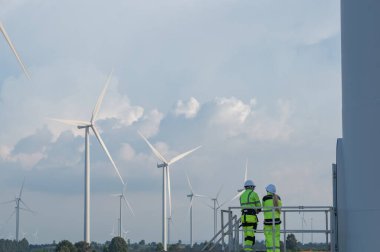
249, 220
269, 228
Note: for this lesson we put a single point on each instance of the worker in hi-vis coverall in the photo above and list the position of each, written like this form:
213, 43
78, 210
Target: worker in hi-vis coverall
249, 198
272, 223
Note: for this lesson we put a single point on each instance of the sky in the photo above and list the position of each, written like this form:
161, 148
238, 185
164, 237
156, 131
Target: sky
248, 80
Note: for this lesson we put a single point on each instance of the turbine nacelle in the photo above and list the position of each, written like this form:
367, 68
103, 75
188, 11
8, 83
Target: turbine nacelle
163, 165
83, 127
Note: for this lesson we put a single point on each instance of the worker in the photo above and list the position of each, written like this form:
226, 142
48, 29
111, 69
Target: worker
272, 213
249, 199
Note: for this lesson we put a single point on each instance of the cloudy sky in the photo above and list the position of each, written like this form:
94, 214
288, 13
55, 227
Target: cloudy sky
252, 80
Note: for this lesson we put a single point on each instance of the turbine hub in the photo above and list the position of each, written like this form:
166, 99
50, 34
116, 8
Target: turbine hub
162, 165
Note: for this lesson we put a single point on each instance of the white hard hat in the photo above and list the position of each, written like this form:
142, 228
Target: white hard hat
271, 188
249, 182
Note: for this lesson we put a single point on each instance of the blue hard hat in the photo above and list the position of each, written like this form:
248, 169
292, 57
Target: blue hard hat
271, 188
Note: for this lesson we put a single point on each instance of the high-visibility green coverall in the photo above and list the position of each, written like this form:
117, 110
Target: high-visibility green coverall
271, 230
249, 220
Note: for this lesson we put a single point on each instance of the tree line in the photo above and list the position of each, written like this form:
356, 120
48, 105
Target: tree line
118, 244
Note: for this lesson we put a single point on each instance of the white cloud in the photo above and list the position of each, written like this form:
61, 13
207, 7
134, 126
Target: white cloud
235, 117
28, 161
127, 152
118, 106
189, 109
5, 151
231, 111
267, 126
151, 123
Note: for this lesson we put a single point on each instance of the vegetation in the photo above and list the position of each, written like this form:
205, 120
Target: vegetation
117, 244
120, 245
14, 246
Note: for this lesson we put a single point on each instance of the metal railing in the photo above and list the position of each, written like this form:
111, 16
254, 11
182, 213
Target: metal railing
231, 228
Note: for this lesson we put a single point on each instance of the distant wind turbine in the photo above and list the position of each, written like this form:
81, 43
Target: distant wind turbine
192, 195
125, 232
165, 184
87, 125
18, 207
113, 234
127, 205
5, 34
35, 236
240, 191
303, 222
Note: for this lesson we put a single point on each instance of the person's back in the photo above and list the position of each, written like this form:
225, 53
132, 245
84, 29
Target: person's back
249, 199
272, 219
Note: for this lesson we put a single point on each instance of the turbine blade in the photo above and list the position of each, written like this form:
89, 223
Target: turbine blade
217, 202
220, 189
22, 187
28, 210
235, 197
201, 196
190, 205
169, 192
100, 99
71, 122
2, 29
188, 182
10, 217
208, 205
113, 229
107, 152
129, 205
158, 154
180, 156
27, 207
7, 202
246, 171
191, 202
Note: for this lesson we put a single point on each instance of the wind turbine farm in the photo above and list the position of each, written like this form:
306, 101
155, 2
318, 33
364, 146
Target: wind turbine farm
202, 97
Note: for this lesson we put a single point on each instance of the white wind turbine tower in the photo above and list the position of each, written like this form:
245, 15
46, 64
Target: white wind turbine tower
166, 184
5, 34
18, 207
87, 125
192, 195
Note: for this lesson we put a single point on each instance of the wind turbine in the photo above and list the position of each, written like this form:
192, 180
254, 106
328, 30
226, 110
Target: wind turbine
240, 191
35, 236
112, 234
86, 126
303, 222
165, 184
192, 195
125, 232
128, 205
215, 209
311, 227
18, 207
5, 34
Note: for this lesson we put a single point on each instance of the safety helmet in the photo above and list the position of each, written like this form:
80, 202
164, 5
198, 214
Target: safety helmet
271, 188
249, 183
